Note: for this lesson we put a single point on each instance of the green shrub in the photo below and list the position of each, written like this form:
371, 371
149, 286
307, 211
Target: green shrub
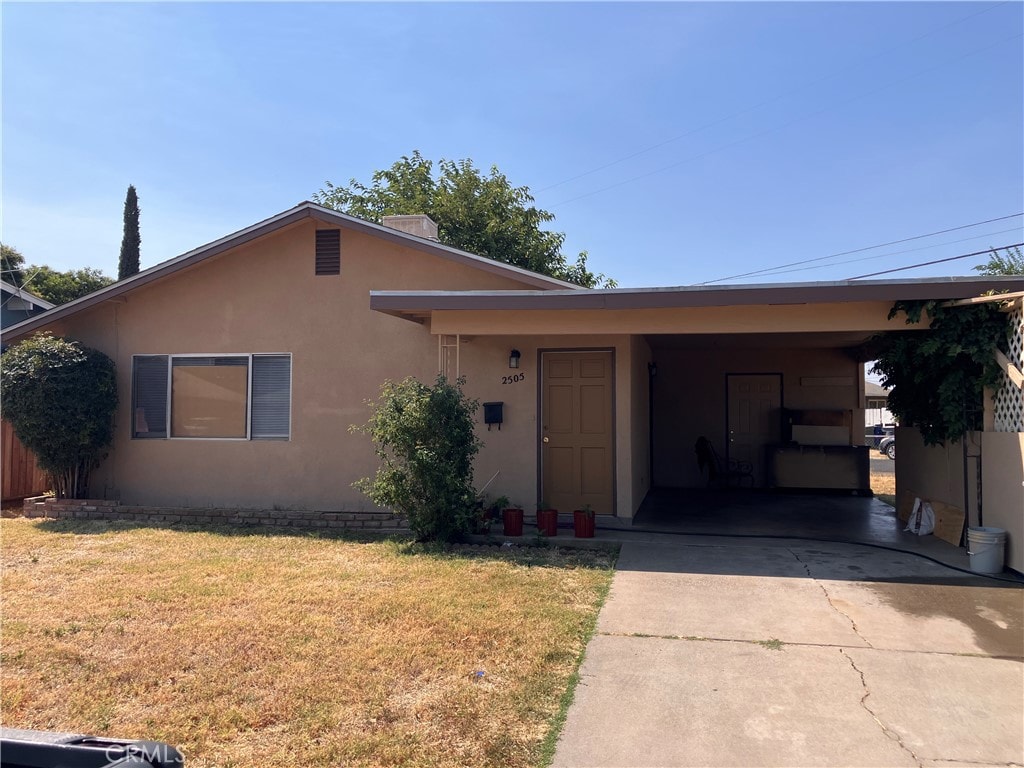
424, 438
938, 376
60, 397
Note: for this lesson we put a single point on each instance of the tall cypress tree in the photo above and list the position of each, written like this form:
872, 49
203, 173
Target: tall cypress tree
128, 264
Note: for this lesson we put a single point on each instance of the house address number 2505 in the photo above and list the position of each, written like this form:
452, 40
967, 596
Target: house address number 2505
513, 379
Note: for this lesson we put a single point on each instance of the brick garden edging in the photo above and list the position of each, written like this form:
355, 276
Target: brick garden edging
101, 509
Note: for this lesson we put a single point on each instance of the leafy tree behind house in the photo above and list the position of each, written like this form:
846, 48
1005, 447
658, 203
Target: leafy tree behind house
128, 263
482, 214
61, 287
424, 438
60, 397
938, 376
1009, 262
53, 285
13, 265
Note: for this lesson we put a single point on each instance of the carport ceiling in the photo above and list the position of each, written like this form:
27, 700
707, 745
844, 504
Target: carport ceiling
834, 340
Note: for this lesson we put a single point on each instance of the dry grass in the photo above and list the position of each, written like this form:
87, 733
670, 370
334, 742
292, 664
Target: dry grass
267, 649
884, 487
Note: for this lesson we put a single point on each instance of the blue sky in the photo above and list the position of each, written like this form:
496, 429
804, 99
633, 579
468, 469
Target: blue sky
676, 142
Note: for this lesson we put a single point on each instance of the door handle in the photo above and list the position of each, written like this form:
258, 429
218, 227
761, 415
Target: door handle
545, 439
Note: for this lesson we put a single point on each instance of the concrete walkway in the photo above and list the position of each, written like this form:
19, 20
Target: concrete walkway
773, 653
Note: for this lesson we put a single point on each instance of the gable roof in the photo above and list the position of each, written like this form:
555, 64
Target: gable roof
27, 295
874, 391
302, 211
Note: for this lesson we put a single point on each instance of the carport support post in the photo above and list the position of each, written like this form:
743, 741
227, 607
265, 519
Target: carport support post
652, 372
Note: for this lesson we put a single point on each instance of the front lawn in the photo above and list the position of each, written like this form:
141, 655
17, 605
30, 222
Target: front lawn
256, 648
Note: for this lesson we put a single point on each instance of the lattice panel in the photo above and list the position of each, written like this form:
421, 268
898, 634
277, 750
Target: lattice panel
1009, 402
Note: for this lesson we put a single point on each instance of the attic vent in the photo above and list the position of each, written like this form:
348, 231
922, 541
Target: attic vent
328, 251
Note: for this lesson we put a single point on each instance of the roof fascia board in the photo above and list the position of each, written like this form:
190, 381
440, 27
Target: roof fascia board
806, 293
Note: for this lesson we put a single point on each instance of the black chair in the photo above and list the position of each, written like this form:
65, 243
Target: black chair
723, 474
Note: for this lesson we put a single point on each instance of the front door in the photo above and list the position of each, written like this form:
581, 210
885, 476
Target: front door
755, 403
577, 430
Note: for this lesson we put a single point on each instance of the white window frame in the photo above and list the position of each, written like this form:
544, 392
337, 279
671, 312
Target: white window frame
248, 394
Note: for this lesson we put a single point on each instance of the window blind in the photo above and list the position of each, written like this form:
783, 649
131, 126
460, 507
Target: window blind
271, 397
149, 396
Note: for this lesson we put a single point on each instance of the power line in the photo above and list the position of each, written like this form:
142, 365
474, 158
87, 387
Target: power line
861, 250
937, 261
777, 128
893, 253
771, 100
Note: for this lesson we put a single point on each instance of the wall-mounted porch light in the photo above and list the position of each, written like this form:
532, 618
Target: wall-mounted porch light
513, 358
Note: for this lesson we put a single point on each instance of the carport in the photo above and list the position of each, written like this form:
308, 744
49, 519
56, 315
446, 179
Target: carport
772, 375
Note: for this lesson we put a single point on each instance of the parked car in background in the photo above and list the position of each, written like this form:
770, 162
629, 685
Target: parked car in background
887, 445
876, 434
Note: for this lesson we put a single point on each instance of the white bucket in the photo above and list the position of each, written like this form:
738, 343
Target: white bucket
985, 547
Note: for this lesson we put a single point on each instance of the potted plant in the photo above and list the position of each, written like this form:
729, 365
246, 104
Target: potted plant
512, 520
488, 510
547, 519
583, 522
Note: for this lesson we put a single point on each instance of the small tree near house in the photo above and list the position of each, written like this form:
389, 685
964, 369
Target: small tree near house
424, 438
131, 240
60, 397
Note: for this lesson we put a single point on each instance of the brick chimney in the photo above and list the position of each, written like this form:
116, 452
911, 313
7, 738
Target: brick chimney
420, 225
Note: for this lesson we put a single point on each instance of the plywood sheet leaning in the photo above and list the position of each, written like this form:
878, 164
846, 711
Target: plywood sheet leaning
949, 522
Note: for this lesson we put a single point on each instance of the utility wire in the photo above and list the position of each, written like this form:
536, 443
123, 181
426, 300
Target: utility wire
938, 261
860, 250
783, 126
771, 100
892, 253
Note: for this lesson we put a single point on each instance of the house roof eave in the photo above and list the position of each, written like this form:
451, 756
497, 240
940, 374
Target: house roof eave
403, 302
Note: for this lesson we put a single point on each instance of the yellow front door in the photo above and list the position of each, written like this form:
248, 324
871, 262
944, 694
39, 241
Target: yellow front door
577, 428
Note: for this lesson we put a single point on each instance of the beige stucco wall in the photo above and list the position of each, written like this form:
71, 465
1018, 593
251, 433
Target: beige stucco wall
862, 316
264, 297
936, 472
513, 451
1003, 483
690, 397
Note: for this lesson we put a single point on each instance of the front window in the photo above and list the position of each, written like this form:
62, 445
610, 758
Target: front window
235, 397
209, 396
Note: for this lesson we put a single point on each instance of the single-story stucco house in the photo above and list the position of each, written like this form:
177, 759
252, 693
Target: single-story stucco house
242, 365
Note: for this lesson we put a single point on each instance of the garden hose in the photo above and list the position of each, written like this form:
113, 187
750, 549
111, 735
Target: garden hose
1018, 581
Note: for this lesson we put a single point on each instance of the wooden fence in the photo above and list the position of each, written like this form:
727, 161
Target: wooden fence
21, 476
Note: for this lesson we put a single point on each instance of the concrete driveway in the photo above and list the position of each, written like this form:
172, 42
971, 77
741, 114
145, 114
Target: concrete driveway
718, 652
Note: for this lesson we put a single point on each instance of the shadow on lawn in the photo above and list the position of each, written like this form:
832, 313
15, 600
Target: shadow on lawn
95, 527
543, 553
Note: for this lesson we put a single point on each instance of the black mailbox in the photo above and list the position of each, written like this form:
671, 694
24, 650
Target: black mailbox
493, 414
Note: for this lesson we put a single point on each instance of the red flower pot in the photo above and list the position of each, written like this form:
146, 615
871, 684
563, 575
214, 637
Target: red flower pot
583, 524
512, 519
547, 521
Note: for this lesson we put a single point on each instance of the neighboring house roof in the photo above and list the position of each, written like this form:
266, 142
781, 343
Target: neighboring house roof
25, 294
874, 391
303, 211
412, 304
